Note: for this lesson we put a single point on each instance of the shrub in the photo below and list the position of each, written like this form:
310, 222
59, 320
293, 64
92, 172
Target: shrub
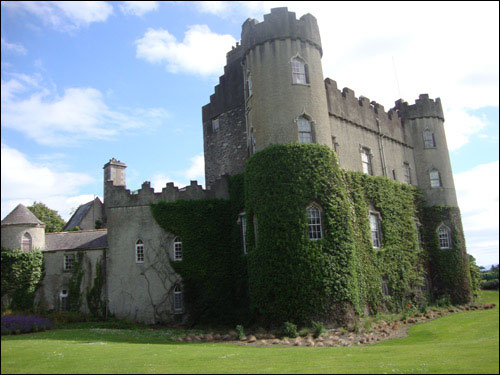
240, 331
303, 332
289, 330
489, 284
16, 324
318, 329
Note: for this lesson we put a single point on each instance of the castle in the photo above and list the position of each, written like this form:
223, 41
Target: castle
272, 92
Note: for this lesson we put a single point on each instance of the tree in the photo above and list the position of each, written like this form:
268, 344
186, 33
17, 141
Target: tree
53, 222
475, 273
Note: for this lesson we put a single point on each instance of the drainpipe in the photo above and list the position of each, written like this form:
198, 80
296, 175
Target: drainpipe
381, 148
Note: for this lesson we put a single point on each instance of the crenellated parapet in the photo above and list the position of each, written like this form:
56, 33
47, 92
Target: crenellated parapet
362, 112
120, 196
279, 24
423, 107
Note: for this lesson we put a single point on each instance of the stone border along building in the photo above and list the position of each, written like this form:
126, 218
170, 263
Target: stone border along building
272, 92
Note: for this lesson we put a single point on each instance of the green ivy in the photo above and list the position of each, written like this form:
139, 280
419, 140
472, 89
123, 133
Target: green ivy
74, 301
95, 298
22, 273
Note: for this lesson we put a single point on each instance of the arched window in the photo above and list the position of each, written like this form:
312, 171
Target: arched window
435, 178
299, 71
139, 252
26, 242
177, 249
375, 230
444, 237
63, 299
305, 130
178, 298
315, 230
429, 141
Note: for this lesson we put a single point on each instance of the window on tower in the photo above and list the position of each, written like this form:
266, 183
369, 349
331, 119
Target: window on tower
429, 141
299, 71
435, 179
305, 130
366, 161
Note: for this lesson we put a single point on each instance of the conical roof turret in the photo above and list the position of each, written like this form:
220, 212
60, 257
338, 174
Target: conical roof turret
21, 215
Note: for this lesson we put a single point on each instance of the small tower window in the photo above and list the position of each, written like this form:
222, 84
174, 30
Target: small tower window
177, 249
435, 179
429, 141
305, 131
444, 237
315, 230
407, 172
249, 85
215, 125
375, 230
242, 220
178, 306
26, 242
139, 252
299, 71
366, 161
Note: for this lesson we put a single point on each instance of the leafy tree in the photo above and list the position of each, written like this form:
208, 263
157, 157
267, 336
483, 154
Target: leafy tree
53, 222
475, 273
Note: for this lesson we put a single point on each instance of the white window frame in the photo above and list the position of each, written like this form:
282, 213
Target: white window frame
26, 241
299, 70
366, 152
314, 223
304, 129
435, 179
68, 262
429, 140
178, 300
139, 252
177, 249
242, 220
444, 237
375, 233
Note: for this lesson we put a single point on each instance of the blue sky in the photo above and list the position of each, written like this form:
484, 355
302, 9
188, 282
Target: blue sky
83, 82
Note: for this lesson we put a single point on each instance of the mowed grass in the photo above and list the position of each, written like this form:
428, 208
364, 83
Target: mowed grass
464, 342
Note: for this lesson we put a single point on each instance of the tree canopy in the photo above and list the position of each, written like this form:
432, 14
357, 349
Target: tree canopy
53, 222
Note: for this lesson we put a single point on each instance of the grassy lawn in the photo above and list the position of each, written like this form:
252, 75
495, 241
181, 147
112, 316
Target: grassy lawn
464, 342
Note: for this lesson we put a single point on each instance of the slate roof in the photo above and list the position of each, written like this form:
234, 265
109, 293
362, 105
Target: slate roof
21, 215
79, 214
85, 239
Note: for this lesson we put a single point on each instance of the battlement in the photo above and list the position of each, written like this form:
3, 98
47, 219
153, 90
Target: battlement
279, 24
120, 196
362, 111
423, 107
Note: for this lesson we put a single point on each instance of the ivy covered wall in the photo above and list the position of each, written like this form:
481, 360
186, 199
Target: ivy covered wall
287, 277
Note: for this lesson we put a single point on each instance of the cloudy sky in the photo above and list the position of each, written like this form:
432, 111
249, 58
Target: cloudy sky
83, 82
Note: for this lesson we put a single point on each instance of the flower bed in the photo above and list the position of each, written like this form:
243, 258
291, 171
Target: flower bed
16, 324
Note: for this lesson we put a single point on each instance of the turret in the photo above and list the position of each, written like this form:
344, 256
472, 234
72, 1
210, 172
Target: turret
114, 175
22, 230
285, 94
424, 130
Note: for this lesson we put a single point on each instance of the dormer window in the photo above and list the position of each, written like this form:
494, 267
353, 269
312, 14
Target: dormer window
299, 71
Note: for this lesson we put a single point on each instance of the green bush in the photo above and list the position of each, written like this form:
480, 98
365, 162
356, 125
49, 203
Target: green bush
318, 329
489, 284
289, 330
240, 331
304, 332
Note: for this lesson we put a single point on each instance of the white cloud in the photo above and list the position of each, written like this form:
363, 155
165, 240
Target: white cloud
202, 51
79, 114
13, 47
460, 126
477, 194
24, 181
159, 181
195, 172
197, 168
64, 15
138, 8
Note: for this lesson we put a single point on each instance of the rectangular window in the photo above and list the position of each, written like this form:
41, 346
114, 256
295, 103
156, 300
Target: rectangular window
394, 175
435, 179
215, 124
407, 172
375, 231
429, 140
444, 239
177, 250
298, 72
366, 161
69, 260
139, 253
177, 300
243, 223
304, 127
